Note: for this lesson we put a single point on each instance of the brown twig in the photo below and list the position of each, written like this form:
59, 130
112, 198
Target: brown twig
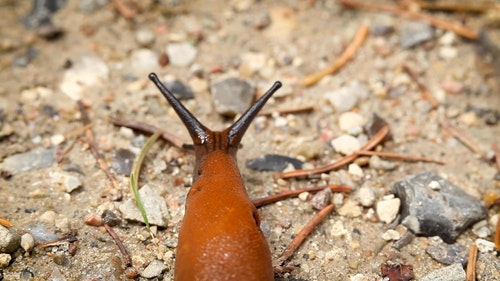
295, 110
150, 129
123, 9
301, 236
471, 263
456, 7
374, 141
425, 92
496, 239
6, 223
463, 138
461, 30
292, 193
400, 156
121, 247
346, 56
93, 148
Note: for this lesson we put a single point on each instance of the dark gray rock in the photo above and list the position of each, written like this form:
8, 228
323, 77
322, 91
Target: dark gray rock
123, 161
433, 206
415, 32
10, 241
232, 96
273, 162
180, 90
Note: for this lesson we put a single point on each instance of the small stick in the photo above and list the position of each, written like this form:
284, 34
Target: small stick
346, 56
425, 92
6, 223
399, 156
456, 7
374, 141
464, 139
301, 236
497, 235
292, 193
150, 129
460, 30
300, 109
93, 147
471, 263
125, 11
118, 241
495, 149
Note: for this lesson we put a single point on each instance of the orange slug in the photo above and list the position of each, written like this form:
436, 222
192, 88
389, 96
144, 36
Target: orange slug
220, 236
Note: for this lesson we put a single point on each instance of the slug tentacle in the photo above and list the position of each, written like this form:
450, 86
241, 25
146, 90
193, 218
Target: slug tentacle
199, 133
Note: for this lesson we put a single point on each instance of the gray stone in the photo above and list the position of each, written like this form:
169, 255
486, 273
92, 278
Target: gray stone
448, 254
154, 204
180, 90
415, 32
446, 211
35, 159
454, 272
123, 161
232, 96
347, 97
153, 269
10, 241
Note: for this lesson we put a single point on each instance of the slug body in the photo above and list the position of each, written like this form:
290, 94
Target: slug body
220, 236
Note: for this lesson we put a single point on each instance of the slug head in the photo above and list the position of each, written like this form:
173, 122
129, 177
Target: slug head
206, 140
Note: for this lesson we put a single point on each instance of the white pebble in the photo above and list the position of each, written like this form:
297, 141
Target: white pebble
27, 242
485, 246
350, 209
391, 234
350, 120
338, 229
355, 170
4, 260
366, 196
181, 54
346, 144
387, 210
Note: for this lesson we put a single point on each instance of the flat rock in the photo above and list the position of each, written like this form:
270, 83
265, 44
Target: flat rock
10, 241
448, 254
414, 32
153, 269
273, 162
154, 204
232, 96
433, 206
454, 272
35, 159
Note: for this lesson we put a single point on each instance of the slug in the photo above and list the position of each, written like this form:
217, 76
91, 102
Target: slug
220, 236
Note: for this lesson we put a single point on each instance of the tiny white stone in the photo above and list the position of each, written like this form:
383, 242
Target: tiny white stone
391, 234
355, 170
387, 210
346, 144
27, 242
434, 185
485, 246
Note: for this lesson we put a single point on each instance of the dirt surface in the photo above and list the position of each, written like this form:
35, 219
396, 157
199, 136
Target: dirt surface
300, 38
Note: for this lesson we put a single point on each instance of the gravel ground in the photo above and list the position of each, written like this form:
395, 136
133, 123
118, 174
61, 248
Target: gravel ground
102, 59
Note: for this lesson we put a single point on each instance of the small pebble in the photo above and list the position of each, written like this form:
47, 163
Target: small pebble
10, 241
4, 260
378, 163
468, 118
350, 209
350, 121
355, 170
338, 229
27, 242
346, 98
345, 144
485, 246
142, 62
391, 234
181, 54
387, 210
481, 229
321, 199
414, 32
232, 96
57, 139
366, 196
448, 254
144, 37
153, 269
303, 196
48, 217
